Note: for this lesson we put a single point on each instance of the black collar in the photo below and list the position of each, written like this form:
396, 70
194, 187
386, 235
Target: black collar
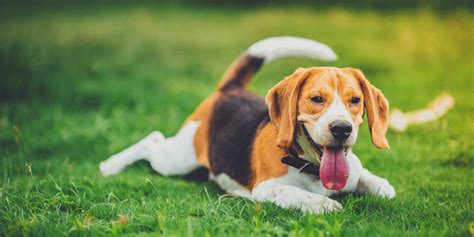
299, 163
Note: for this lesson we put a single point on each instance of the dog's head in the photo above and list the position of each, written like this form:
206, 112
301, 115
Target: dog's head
325, 106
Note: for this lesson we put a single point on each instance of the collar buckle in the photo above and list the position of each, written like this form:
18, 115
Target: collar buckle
304, 166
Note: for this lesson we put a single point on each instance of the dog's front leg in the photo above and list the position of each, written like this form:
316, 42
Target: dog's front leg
287, 196
369, 183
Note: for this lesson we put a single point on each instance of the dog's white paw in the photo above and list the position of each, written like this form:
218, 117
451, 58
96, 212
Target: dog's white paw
109, 167
118, 162
292, 197
324, 205
369, 183
384, 189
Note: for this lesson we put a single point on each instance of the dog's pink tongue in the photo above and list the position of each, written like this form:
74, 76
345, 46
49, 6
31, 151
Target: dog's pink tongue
333, 171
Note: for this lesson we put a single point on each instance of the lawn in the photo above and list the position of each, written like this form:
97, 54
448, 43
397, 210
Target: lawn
79, 84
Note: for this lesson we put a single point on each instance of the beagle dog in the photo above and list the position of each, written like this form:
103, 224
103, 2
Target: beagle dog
293, 149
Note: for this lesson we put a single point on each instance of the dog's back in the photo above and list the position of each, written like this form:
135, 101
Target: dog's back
236, 117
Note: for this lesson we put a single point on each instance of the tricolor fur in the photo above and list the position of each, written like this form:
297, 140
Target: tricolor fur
240, 138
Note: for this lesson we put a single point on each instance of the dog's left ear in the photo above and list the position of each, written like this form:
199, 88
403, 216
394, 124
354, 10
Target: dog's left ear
282, 102
377, 109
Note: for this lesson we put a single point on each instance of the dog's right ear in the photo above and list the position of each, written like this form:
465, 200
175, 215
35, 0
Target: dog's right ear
282, 102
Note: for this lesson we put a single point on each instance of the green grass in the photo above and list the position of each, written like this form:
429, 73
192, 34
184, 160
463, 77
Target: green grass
78, 85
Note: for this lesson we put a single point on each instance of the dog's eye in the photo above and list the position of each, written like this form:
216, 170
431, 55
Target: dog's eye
355, 100
317, 99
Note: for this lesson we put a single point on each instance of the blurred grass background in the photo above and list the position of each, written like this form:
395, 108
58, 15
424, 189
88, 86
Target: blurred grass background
78, 84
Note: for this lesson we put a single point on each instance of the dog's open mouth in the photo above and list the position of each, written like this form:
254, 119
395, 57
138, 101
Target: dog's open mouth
334, 169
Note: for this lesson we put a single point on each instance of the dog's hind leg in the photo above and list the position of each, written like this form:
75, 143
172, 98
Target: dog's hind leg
140, 150
176, 155
167, 156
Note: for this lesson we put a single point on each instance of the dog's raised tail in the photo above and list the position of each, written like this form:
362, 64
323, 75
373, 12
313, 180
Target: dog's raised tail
267, 50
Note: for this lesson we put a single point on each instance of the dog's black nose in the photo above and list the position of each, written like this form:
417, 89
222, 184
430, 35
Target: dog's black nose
340, 129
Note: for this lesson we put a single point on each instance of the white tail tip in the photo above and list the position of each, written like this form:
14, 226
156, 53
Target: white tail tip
288, 46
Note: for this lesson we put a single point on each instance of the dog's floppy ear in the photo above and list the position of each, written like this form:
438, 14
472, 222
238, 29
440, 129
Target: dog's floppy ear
282, 102
376, 107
